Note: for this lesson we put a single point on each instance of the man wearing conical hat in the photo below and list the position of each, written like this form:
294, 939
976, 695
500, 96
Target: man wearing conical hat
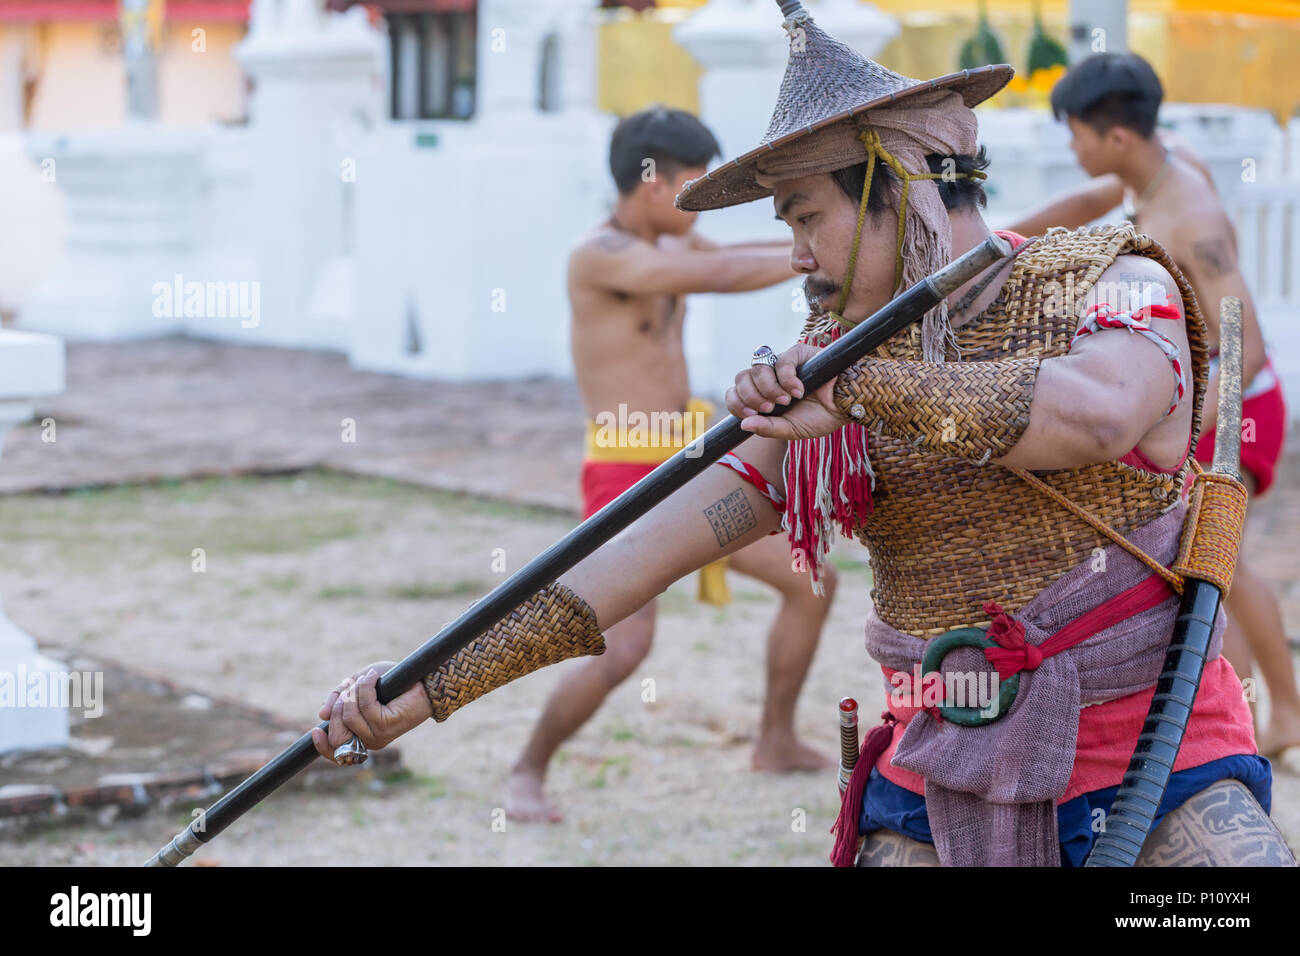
1014, 466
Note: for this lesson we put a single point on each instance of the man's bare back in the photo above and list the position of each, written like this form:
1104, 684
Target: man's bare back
1189, 220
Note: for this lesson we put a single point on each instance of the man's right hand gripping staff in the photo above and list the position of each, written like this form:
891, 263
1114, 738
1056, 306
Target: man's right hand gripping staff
553, 625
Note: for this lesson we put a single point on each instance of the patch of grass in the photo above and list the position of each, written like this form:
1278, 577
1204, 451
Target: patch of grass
341, 591
701, 647
431, 786
621, 763
289, 533
282, 582
620, 733
843, 562
431, 592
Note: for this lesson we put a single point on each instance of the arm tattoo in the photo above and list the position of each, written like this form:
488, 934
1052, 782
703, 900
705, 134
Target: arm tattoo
614, 241
1214, 256
731, 517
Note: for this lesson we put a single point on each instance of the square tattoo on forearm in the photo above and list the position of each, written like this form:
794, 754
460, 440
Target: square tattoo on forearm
731, 517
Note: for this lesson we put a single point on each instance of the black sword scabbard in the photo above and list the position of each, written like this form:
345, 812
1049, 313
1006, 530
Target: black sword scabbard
1143, 788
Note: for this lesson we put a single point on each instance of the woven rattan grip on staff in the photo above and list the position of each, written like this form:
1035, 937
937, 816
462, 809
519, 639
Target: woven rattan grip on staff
1216, 515
974, 410
551, 626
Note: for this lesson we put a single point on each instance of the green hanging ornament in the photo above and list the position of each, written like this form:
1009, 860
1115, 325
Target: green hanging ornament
983, 47
1045, 51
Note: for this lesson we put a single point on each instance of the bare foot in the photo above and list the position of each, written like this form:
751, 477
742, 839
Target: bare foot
1283, 731
788, 756
525, 801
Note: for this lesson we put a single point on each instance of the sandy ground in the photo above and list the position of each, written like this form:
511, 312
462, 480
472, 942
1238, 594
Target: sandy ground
307, 578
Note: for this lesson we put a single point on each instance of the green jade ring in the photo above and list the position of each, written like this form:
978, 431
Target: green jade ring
939, 648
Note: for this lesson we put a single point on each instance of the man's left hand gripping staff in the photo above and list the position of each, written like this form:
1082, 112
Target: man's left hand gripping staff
354, 708
760, 388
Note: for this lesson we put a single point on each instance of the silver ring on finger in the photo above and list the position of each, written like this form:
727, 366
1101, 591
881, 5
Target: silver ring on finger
351, 753
763, 356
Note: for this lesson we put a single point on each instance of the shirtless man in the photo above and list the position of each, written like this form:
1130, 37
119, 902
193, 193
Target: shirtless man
627, 280
1110, 101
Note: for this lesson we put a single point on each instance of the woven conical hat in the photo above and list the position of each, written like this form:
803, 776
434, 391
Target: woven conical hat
826, 83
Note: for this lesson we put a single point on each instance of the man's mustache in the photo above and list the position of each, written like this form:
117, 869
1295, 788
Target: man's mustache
814, 290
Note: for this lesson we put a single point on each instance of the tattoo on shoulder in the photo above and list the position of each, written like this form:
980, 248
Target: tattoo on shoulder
731, 517
1214, 256
614, 241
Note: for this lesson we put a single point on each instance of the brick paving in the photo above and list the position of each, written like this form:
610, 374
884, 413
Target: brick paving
179, 408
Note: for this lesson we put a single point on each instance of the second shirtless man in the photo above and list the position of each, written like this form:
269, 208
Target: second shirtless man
1111, 103
627, 281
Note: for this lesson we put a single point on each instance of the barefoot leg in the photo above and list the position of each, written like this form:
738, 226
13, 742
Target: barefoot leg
1253, 607
1237, 651
578, 695
1252, 604
791, 642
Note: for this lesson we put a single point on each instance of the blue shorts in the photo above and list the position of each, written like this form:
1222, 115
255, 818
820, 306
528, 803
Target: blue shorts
887, 806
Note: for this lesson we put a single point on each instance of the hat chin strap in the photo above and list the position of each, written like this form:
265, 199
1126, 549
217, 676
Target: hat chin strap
870, 138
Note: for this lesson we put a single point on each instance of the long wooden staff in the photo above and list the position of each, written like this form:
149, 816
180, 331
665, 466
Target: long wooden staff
902, 311
1147, 777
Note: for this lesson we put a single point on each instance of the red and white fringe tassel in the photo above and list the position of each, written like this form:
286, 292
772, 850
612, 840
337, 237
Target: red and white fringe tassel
828, 485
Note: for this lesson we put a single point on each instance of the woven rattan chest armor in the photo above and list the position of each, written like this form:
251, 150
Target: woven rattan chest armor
946, 534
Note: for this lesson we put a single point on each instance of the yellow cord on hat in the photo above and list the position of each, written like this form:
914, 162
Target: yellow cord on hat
875, 149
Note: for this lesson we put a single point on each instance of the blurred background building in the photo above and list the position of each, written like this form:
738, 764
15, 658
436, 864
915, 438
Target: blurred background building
399, 180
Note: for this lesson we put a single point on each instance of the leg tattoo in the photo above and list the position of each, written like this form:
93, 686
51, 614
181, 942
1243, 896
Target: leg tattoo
887, 848
1223, 825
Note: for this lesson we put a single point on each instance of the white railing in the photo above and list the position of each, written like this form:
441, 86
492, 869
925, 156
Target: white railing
1267, 220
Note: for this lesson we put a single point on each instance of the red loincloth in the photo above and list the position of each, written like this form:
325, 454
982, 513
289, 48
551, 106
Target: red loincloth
603, 481
1267, 411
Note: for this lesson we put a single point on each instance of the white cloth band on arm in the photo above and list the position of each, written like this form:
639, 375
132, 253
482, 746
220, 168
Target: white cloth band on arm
1101, 316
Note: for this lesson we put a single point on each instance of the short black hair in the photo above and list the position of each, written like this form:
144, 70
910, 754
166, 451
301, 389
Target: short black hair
674, 139
1110, 89
957, 194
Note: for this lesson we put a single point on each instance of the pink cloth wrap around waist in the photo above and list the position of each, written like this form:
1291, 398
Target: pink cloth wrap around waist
991, 791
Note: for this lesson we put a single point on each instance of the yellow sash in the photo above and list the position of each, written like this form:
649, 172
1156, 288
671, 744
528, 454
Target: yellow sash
648, 444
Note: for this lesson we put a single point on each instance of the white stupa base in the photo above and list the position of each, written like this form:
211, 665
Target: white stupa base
89, 298
132, 200
27, 719
31, 365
